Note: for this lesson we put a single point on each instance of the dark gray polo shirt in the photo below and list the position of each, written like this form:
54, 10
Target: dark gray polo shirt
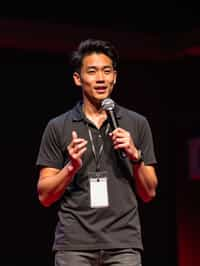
79, 226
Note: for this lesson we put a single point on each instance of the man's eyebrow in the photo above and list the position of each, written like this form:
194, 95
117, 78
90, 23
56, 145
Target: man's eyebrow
106, 66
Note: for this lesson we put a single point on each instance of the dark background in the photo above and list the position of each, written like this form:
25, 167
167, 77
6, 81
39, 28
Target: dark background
159, 77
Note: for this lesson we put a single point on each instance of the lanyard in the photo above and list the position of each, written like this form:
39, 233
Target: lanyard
97, 157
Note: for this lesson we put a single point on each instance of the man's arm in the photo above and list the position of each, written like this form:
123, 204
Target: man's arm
53, 182
145, 176
146, 181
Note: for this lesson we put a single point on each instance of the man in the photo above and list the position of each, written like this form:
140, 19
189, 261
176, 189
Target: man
81, 167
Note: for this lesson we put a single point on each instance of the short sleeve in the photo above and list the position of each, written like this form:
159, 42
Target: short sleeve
50, 152
146, 142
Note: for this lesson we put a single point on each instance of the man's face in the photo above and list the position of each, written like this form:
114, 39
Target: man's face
97, 77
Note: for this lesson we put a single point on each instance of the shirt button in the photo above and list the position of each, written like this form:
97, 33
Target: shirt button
99, 135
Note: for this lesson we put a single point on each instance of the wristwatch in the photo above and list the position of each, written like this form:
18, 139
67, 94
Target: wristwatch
139, 159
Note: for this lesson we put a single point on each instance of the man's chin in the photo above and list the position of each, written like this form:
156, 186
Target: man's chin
103, 97
100, 99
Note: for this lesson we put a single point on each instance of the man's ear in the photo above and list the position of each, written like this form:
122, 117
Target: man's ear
77, 79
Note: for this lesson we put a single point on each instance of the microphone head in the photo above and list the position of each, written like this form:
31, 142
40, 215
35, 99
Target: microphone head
108, 104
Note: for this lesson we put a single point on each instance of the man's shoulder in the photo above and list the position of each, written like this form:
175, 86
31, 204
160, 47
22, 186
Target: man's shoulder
60, 125
66, 117
61, 118
129, 113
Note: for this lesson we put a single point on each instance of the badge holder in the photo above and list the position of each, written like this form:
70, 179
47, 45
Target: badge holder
98, 189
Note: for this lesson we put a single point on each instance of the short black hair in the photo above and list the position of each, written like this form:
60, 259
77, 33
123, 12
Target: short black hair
90, 46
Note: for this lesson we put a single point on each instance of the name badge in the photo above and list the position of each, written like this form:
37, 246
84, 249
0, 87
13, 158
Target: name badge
98, 190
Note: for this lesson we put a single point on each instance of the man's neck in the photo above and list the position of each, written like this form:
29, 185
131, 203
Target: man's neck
94, 113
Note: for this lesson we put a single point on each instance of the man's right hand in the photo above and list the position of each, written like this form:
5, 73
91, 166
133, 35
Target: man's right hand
76, 149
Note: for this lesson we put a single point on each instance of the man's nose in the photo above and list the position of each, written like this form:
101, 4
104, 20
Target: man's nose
100, 76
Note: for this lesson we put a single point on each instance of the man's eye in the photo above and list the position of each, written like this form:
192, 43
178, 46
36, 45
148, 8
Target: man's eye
107, 71
91, 71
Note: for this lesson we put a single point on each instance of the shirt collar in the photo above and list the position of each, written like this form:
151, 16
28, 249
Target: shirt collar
78, 115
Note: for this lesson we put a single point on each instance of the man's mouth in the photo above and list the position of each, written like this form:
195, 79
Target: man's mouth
100, 89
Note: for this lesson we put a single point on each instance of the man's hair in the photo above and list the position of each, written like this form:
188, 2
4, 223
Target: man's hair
90, 46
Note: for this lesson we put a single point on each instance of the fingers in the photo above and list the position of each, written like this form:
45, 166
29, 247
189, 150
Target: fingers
74, 135
77, 143
121, 138
80, 153
77, 146
119, 133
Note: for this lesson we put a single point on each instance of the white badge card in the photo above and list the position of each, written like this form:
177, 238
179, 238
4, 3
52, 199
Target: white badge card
98, 190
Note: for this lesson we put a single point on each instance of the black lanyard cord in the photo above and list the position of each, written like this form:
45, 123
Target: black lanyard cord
97, 158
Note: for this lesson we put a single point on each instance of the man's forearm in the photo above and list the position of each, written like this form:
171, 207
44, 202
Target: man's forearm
52, 187
146, 181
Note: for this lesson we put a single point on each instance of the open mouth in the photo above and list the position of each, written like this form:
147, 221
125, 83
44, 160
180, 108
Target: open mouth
100, 89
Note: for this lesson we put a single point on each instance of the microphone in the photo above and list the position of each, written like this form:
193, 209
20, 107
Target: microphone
109, 105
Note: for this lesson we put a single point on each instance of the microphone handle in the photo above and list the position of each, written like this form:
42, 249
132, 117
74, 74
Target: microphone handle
114, 124
113, 120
